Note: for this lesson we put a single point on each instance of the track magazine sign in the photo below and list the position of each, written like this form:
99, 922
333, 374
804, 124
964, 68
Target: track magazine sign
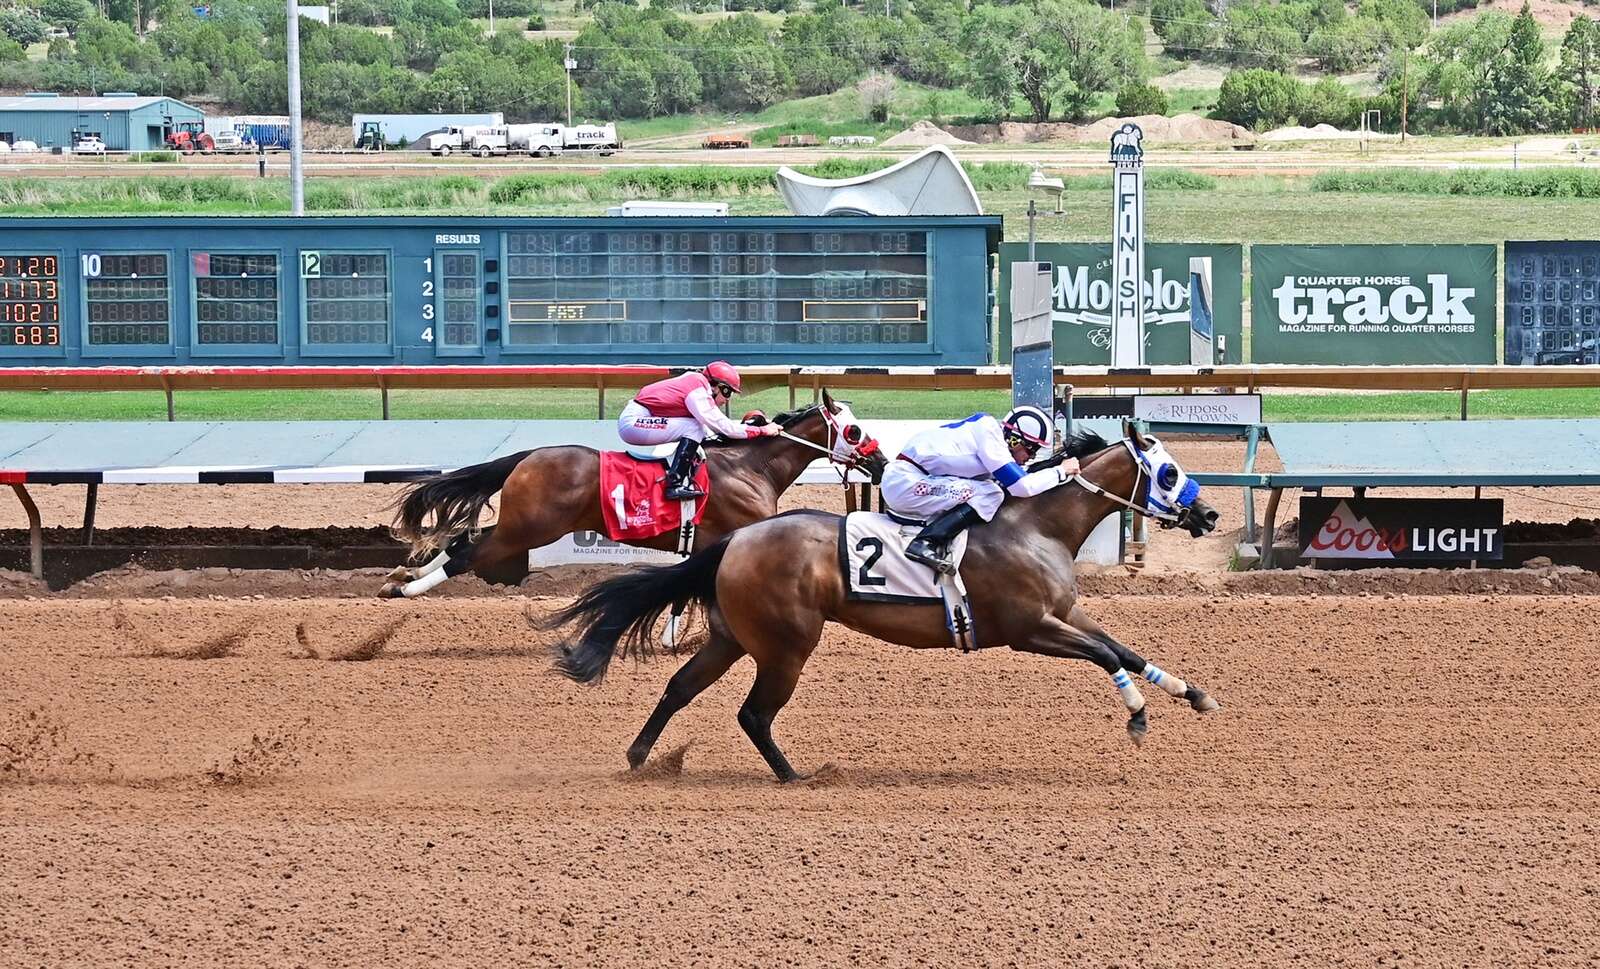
1552, 303
593, 548
1372, 304
1082, 299
1402, 529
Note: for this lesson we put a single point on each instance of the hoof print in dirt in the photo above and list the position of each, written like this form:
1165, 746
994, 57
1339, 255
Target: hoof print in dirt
369, 647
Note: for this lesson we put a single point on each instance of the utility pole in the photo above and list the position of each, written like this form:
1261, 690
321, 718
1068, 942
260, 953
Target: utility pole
491, 18
570, 64
297, 185
1405, 89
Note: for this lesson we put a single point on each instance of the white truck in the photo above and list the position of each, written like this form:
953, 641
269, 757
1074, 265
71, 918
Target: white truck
231, 142
591, 137
488, 141
541, 139
453, 138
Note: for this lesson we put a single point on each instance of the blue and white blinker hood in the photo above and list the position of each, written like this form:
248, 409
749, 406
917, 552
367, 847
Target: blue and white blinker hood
1171, 489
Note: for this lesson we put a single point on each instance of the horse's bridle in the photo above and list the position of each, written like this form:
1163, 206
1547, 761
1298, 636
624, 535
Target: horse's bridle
863, 447
1166, 518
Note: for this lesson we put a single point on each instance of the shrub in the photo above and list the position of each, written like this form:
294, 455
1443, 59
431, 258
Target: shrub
1327, 102
1258, 99
1137, 99
1470, 182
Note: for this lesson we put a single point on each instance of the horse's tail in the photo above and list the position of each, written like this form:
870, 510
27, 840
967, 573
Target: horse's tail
625, 608
455, 500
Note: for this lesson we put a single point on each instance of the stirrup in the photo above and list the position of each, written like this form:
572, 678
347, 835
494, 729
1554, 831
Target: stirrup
683, 492
924, 552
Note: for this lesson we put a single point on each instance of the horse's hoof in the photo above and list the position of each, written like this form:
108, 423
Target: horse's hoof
1201, 701
400, 574
392, 590
636, 758
1138, 727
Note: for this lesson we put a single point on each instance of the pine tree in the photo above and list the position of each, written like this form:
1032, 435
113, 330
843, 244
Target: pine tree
1580, 71
1518, 95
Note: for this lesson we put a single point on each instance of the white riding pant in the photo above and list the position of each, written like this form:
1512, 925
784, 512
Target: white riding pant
910, 493
638, 427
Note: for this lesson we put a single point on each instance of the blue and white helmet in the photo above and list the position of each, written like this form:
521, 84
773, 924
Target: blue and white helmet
1028, 426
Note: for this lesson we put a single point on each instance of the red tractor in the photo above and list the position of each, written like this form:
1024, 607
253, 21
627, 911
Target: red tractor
190, 137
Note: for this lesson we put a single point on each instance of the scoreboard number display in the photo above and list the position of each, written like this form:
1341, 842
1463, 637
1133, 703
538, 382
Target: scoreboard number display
237, 299
127, 298
30, 300
346, 295
744, 288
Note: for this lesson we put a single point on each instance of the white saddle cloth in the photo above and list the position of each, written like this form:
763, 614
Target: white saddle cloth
872, 552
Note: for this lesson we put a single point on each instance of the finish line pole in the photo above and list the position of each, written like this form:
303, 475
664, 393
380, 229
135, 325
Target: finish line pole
1127, 247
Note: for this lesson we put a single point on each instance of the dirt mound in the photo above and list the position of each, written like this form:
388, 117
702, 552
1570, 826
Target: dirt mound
1180, 129
921, 135
1322, 132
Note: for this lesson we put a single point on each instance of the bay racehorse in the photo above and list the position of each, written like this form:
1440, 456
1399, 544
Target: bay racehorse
770, 587
554, 491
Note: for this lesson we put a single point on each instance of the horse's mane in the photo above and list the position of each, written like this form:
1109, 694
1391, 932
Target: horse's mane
1081, 444
790, 418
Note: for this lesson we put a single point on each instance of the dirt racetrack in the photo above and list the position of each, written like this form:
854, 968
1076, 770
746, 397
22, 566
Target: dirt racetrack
1393, 780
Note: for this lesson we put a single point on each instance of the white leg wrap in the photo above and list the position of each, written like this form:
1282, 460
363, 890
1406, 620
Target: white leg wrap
1131, 697
417, 587
1172, 684
434, 564
669, 635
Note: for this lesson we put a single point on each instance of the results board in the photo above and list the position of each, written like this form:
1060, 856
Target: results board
670, 290
30, 299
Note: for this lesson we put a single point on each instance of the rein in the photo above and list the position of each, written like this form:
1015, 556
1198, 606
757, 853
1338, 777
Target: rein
1138, 476
840, 466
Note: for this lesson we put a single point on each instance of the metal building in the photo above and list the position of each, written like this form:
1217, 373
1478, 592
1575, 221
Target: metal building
124, 122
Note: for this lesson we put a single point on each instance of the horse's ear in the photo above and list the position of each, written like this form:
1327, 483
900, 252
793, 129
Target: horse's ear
1140, 442
827, 401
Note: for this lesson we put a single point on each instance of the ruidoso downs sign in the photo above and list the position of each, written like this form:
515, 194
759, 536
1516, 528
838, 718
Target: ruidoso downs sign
1372, 304
1081, 301
1400, 529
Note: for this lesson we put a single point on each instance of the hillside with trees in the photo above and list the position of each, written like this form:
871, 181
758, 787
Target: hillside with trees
1491, 73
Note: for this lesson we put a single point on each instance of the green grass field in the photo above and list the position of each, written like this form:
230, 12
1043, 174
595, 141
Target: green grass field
282, 405
1238, 209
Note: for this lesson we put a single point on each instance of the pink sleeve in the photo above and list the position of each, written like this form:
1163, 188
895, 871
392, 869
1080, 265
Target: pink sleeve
713, 419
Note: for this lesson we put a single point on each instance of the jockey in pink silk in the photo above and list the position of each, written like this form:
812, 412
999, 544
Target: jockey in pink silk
686, 409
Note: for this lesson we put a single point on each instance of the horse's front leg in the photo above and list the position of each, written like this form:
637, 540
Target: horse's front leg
1054, 637
1175, 686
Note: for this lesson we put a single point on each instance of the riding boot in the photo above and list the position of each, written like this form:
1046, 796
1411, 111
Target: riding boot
931, 547
680, 473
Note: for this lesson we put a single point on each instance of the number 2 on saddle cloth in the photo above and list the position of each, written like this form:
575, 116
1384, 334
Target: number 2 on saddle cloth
631, 497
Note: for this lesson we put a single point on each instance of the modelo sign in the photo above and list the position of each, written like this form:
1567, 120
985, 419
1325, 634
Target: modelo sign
1372, 304
1401, 529
1081, 299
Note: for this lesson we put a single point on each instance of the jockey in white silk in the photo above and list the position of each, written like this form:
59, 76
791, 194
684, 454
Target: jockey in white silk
956, 475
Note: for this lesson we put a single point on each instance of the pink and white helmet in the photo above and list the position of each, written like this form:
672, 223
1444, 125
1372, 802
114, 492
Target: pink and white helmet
722, 372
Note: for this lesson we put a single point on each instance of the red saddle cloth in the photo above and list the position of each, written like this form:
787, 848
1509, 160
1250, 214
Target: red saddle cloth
631, 497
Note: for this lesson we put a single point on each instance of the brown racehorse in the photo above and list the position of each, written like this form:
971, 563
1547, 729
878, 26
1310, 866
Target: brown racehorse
771, 586
554, 491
